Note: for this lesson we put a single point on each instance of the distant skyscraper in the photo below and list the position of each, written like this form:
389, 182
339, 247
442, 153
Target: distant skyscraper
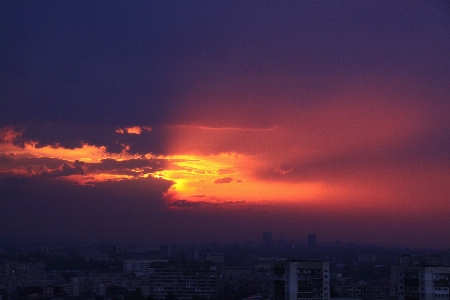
267, 239
196, 252
312, 240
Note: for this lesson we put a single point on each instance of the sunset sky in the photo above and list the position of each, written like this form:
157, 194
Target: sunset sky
200, 121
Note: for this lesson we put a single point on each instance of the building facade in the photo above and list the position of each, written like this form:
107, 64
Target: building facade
184, 280
421, 282
293, 280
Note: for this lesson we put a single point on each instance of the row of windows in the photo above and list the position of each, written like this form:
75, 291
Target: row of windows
435, 276
409, 288
441, 296
439, 289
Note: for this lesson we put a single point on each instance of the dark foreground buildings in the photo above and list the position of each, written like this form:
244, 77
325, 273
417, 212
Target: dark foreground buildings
292, 280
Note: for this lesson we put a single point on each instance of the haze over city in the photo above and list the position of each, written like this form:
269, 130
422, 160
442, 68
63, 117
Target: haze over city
206, 121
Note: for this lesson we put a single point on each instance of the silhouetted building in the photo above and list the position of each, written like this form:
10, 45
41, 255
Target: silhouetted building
376, 290
435, 260
139, 267
13, 270
184, 280
407, 260
293, 280
312, 240
267, 239
215, 258
367, 258
196, 251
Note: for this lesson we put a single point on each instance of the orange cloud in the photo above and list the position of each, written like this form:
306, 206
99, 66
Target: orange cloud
85, 165
224, 180
133, 129
340, 146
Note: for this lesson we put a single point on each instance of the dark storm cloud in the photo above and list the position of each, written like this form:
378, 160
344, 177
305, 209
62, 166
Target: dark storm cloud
76, 168
105, 211
108, 165
74, 135
11, 186
131, 167
53, 167
85, 62
73, 73
120, 64
204, 204
45, 167
11, 162
136, 210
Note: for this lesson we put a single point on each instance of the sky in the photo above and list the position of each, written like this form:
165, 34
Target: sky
214, 121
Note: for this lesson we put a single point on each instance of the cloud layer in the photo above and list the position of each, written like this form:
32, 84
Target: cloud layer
168, 121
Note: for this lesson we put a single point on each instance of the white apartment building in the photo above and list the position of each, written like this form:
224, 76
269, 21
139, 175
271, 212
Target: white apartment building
421, 282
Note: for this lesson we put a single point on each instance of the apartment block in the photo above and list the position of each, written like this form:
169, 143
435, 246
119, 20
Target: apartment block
184, 280
13, 270
421, 282
306, 280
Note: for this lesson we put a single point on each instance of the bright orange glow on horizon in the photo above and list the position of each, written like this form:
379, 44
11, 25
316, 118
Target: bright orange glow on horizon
198, 178
295, 161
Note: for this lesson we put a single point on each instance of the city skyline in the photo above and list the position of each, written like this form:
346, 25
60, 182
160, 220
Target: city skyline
217, 121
